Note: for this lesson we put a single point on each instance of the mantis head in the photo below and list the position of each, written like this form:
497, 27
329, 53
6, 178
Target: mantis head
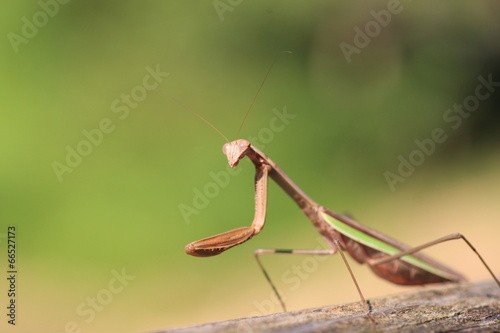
235, 151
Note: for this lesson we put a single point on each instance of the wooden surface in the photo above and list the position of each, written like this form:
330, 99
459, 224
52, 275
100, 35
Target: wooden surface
462, 308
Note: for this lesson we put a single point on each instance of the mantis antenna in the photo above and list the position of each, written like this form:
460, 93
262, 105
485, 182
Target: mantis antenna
246, 114
199, 117
257, 94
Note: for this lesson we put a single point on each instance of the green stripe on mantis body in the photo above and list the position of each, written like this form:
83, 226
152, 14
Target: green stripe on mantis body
378, 244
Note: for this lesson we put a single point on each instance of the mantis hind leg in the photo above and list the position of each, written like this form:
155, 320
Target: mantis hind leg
416, 249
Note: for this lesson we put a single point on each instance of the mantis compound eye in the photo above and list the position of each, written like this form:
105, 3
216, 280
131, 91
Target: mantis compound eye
226, 147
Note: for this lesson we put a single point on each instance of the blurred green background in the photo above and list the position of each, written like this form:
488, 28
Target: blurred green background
118, 210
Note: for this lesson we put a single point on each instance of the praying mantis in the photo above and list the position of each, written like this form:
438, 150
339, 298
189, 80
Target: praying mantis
385, 256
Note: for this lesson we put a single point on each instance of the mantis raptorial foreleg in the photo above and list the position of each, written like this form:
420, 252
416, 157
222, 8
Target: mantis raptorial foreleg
216, 244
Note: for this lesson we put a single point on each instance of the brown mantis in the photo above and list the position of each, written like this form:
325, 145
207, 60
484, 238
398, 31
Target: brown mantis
386, 257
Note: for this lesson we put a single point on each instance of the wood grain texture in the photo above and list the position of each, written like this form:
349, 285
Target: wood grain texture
449, 308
